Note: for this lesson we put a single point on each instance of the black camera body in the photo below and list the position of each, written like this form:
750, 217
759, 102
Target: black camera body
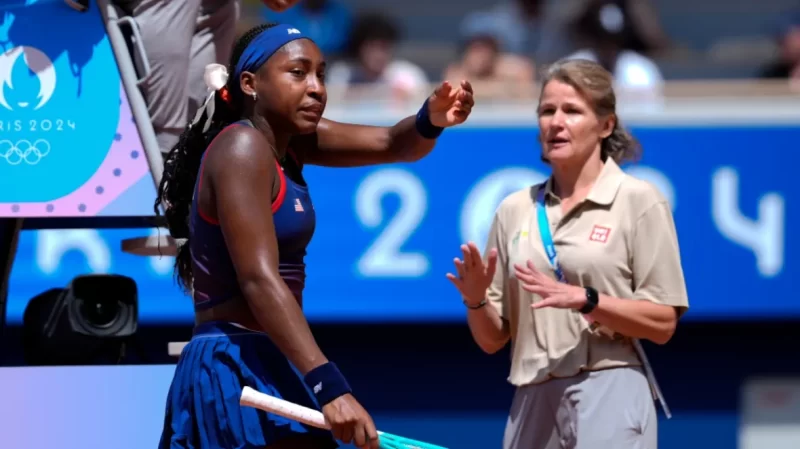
85, 323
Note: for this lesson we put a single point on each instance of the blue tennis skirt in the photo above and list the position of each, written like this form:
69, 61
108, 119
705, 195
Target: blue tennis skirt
203, 410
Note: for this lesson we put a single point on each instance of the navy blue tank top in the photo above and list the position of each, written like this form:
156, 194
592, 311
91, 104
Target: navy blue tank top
214, 274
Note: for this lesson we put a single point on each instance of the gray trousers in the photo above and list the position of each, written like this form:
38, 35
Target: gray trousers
181, 37
608, 409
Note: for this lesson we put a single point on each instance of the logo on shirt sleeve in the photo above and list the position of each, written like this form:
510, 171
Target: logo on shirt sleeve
600, 234
515, 240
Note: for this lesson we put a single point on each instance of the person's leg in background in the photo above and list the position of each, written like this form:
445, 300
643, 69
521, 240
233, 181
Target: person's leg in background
167, 28
215, 33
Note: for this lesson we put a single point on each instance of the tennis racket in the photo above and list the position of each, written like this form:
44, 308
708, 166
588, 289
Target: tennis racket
311, 417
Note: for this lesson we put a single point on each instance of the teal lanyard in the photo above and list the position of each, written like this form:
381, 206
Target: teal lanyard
547, 237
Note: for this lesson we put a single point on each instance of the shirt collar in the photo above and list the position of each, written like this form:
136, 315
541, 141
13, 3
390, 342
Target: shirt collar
604, 189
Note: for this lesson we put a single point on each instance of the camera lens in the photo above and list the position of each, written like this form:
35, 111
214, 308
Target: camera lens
99, 313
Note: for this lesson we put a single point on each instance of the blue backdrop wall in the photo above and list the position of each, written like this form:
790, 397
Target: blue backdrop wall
386, 236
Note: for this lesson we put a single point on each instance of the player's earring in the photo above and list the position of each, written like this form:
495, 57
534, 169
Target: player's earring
255, 97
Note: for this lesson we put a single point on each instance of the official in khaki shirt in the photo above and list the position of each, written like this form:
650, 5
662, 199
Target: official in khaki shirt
580, 381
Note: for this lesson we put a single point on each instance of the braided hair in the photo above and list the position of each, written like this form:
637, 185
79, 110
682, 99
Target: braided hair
182, 164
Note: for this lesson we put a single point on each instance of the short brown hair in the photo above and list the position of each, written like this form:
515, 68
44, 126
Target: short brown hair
595, 84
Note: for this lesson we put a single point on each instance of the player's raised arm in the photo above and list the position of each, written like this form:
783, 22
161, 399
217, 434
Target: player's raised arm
345, 145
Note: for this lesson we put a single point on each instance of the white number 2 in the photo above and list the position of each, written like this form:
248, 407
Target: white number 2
384, 258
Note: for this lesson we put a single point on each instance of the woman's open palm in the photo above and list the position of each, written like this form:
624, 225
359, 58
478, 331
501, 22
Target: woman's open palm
473, 276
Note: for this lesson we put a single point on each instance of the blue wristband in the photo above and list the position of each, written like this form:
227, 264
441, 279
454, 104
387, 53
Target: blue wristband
327, 383
424, 126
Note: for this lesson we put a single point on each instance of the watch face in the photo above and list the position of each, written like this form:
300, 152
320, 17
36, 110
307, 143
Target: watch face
591, 300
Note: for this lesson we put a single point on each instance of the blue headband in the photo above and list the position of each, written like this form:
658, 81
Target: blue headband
263, 46
257, 52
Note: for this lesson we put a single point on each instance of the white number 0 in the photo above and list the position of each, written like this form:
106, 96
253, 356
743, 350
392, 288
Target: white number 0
482, 201
384, 257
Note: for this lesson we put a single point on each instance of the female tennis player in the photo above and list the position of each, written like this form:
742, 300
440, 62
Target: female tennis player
233, 185
577, 270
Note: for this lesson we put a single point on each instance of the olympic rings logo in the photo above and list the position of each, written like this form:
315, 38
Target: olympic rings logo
24, 151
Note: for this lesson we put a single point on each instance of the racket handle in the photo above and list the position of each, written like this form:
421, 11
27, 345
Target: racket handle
315, 418
290, 410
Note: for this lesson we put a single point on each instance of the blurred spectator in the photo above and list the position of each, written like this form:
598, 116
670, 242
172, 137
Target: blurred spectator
531, 28
611, 39
328, 22
483, 59
649, 37
788, 63
371, 62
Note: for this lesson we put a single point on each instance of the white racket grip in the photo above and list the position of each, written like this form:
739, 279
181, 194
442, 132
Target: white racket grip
290, 410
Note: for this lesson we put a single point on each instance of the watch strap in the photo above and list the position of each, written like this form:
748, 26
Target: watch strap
592, 299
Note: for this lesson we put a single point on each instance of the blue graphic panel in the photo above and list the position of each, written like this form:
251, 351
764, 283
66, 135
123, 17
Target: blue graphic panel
68, 142
387, 235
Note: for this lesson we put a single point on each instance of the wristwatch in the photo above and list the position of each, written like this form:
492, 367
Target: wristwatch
592, 298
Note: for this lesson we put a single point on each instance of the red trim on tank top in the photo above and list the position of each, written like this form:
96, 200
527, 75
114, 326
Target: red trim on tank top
275, 204
281, 191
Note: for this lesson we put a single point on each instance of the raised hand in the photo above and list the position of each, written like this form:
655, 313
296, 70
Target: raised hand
473, 275
553, 293
450, 106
